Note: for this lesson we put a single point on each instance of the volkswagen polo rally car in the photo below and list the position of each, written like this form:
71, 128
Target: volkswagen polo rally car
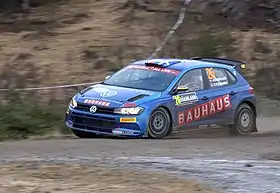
153, 98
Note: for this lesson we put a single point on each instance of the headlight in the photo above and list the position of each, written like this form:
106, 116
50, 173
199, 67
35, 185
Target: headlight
73, 103
129, 110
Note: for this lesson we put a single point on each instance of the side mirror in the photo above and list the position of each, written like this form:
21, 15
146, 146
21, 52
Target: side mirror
107, 77
180, 89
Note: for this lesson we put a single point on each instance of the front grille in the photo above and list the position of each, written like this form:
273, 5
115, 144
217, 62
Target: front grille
94, 122
94, 116
102, 110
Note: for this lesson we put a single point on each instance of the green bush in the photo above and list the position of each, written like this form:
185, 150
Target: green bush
20, 119
212, 44
12, 4
9, 4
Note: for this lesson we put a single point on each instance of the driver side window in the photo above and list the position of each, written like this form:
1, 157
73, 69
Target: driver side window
193, 80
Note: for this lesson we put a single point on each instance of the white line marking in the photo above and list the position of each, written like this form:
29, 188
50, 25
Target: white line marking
173, 29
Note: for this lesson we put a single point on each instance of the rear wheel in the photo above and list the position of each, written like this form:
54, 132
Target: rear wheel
244, 122
84, 135
159, 124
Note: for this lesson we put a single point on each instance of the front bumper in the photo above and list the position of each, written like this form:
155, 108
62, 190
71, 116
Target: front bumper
106, 124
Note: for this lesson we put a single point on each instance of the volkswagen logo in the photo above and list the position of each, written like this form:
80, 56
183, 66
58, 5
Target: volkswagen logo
104, 92
93, 109
108, 93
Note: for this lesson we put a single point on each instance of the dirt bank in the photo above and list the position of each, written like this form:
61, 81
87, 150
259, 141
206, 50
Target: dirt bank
76, 178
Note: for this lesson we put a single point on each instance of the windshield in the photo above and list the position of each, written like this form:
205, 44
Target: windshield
143, 77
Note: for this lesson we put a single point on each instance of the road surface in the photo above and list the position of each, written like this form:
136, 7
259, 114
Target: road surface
233, 164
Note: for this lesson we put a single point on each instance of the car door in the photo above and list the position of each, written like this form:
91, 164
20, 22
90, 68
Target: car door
187, 104
222, 95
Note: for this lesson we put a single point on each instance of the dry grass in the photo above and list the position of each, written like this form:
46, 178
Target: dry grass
78, 178
81, 40
259, 48
67, 32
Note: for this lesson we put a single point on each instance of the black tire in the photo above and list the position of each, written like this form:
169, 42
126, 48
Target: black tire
84, 135
159, 124
244, 121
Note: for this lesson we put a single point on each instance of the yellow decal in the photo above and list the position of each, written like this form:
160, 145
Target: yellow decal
243, 66
67, 111
128, 120
210, 73
177, 99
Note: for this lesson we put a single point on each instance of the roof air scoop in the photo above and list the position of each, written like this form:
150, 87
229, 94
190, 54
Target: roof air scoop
160, 63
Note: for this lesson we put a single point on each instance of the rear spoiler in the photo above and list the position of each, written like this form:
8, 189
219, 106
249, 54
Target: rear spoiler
238, 65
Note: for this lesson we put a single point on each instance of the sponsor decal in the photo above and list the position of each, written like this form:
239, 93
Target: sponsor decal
97, 102
129, 105
128, 119
104, 92
221, 81
117, 132
204, 110
123, 132
108, 100
185, 99
67, 111
214, 80
159, 69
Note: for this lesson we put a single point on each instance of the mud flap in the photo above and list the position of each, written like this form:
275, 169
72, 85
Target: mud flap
255, 130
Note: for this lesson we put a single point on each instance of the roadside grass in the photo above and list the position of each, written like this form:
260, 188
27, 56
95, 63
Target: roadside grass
21, 119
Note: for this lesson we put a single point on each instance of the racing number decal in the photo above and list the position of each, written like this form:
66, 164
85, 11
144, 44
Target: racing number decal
210, 73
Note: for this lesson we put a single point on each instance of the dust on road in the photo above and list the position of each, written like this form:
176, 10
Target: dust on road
75, 178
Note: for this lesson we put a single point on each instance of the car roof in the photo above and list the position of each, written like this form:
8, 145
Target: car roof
182, 64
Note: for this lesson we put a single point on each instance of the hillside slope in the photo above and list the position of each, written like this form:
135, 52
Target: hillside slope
81, 40
74, 42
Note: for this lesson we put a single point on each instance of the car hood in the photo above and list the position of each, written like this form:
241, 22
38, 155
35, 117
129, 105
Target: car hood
113, 96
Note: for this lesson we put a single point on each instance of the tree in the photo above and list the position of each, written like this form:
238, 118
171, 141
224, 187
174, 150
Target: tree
25, 5
12, 4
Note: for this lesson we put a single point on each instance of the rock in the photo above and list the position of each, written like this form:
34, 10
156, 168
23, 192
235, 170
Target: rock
248, 165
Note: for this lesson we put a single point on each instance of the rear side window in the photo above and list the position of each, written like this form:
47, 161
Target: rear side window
231, 77
219, 77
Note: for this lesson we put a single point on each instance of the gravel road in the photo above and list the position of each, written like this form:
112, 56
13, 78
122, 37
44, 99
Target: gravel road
232, 164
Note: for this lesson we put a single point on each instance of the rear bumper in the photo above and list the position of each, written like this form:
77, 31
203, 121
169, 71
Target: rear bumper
108, 124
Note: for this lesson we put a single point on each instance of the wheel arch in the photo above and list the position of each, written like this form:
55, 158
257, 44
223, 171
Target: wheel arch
251, 104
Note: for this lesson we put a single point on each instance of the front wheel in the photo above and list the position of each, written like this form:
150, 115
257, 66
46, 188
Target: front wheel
244, 122
159, 124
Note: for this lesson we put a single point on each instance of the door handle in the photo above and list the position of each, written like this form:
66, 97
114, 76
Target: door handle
204, 98
232, 93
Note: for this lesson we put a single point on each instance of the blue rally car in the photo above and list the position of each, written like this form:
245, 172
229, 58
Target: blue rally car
153, 98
